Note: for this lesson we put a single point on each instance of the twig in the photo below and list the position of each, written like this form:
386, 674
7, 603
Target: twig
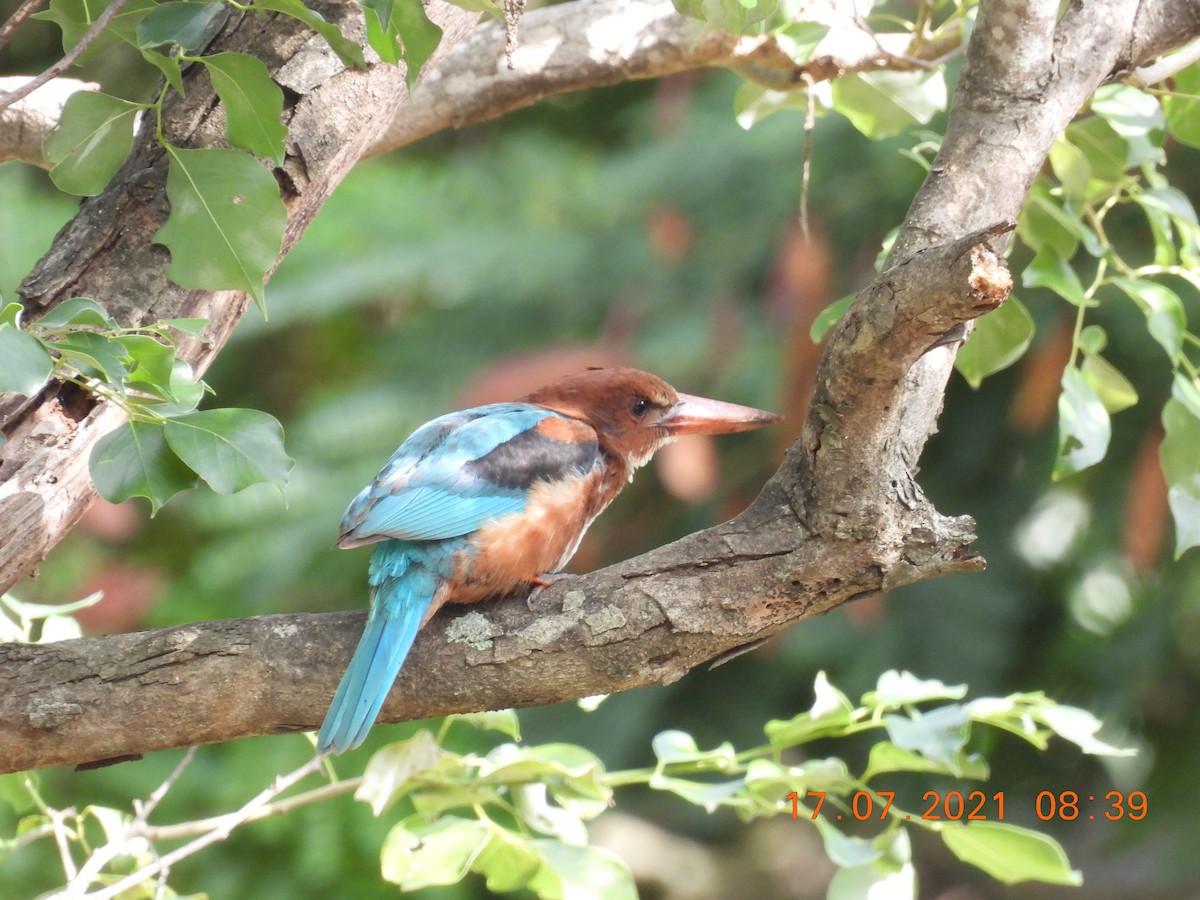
225, 827
1164, 67
24, 11
187, 829
810, 122
68, 59
144, 809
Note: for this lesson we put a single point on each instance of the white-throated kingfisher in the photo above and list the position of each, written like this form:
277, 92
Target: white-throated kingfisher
483, 502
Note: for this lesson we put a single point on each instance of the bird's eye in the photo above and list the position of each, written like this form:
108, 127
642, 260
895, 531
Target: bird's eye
640, 405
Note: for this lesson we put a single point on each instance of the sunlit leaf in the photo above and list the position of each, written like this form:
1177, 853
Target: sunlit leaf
581, 873
391, 768
504, 721
1137, 117
881, 104
1000, 338
1050, 270
231, 449
417, 854
1071, 168
91, 140
253, 103
135, 461
1182, 109
731, 16
1009, 853
1165, 317
27, 364
1113, 388
828, 317
895, 689
1083, 426
1181, 466
226, 224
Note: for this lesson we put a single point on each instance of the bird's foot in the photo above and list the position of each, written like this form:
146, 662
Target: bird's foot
543, 581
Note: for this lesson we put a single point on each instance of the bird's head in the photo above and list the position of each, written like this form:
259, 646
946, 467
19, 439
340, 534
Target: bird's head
635, 413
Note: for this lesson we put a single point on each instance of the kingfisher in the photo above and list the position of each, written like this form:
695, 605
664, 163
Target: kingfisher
494, 499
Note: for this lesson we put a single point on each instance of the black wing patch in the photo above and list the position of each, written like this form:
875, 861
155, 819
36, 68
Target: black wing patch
531, 457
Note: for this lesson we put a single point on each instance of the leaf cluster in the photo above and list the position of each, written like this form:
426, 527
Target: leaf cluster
167, 445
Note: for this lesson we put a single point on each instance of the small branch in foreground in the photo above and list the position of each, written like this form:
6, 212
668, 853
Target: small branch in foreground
68, 59
24, 11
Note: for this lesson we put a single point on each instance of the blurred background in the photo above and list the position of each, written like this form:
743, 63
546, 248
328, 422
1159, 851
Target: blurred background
640, 225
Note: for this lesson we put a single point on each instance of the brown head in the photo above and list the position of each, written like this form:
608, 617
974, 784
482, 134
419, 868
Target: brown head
635, 413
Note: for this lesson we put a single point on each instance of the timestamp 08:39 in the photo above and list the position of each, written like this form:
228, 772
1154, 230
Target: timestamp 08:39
976, 806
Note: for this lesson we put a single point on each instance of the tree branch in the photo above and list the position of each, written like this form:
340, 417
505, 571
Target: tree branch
842, 518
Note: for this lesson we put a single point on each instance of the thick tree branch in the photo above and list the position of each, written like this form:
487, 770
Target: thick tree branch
843, 517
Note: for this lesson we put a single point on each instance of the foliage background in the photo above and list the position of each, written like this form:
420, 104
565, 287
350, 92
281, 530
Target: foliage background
640, 224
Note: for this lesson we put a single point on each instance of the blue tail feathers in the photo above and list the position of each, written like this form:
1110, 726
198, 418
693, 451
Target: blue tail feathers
403, 592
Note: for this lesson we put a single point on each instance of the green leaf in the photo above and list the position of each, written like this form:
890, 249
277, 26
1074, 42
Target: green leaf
799, 39
890, 875
227, 221
350, 53
151, 364
17, 790
400, 29
135, 461
76, 17
508, 862
939, 735
895, 689
1183, 112
90, 141
253, 103
193, 327
1049, 270
830, 714
1181, 466
828, 317
392, 767
503, 720
1083, 426
1000, 338
753, 102
581, 873
1009, 853
76, 311
731, 16
170, 68
1164, 312
1137, 117
11, 314
887, 757
1105, 150
1071, 168
27, 363
95, 356
1045, 225
1113, 388
881, 104
416, 854
182, 22
231, 449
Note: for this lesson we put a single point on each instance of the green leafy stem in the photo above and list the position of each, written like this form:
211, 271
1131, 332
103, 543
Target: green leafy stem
517, 814
167, 445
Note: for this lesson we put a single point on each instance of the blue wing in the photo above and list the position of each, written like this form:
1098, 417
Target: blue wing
460, 470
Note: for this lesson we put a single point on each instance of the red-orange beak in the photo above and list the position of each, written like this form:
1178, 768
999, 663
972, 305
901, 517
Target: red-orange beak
699, 415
